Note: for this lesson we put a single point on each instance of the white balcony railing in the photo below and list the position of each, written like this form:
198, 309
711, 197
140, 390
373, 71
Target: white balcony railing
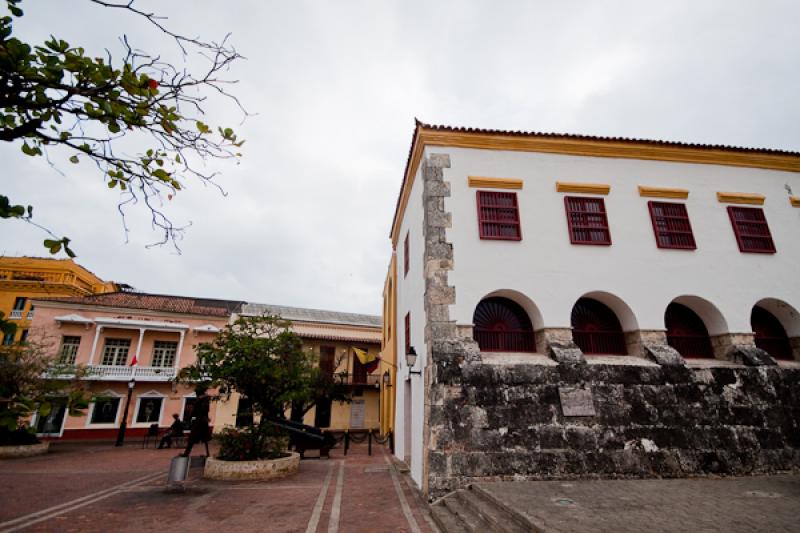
125, 373
117, 373
30, 314
15, 314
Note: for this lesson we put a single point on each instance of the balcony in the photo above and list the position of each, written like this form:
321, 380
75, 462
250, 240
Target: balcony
359, 380
16, 314
122, 373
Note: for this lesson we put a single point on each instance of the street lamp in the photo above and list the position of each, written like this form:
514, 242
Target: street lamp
411, 359
387, 379
124, 424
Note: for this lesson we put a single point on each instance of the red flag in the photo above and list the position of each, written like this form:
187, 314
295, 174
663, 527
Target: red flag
134, 361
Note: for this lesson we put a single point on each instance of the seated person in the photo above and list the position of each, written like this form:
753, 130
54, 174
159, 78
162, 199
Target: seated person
174, 431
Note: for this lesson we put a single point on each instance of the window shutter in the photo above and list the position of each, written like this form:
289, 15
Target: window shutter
671, 226
405, 256
498, 216
751, 230
587, 222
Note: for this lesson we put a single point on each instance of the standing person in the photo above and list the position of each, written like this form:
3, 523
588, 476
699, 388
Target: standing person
200, 431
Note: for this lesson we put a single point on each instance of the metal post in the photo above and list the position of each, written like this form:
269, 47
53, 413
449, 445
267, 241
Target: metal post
346, 440
124, 424
391, 442
369, 446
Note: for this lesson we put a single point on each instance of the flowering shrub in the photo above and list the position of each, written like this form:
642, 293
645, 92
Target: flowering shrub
250, 444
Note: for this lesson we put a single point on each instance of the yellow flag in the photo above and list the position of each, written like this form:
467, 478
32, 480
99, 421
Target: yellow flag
364, 357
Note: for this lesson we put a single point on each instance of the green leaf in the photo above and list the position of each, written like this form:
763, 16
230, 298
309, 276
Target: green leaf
74, 159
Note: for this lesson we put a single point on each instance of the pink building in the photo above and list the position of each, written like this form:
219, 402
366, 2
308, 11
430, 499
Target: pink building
105, 333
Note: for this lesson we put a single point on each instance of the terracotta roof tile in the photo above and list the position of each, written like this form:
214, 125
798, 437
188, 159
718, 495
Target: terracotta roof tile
156, 302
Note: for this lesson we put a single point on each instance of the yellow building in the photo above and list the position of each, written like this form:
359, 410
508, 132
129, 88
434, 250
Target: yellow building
389, 350
335, 337
25, 278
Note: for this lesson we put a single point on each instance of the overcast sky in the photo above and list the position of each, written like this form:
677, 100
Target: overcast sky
335, 87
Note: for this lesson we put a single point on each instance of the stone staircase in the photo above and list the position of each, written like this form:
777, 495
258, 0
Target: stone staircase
475, 509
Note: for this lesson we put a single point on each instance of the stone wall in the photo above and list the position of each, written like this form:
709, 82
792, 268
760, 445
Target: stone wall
493, 422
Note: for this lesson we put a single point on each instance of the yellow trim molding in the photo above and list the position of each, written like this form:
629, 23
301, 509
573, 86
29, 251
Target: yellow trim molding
583, 188
795, 201
741, 198
663, 192
425, 136
494, 183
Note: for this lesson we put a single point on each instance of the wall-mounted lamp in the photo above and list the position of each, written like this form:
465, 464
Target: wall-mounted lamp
387, 379
411, 359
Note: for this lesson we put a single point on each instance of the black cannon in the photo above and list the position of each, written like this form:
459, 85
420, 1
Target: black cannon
303, 437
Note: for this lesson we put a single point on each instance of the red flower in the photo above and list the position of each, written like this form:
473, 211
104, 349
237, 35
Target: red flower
153, 84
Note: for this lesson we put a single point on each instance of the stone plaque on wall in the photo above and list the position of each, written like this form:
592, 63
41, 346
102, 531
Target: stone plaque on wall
576, 401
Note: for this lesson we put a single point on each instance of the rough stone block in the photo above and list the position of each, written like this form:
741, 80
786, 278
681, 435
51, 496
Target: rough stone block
750, 356
663, 354
439, 160
565, 353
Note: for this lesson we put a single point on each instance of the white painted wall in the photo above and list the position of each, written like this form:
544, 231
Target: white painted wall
410, 297
553, 274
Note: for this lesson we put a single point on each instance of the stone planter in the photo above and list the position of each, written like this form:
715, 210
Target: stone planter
24, 450
264, 469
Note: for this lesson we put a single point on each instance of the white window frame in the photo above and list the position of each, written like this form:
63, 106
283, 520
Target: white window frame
120, 408
163, 350
183, 408
74, 355
116, 351
35, 422
148, 394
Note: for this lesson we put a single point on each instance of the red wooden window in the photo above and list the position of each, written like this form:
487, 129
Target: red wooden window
596, 329
498, 216
671, 225
686, 332
586, 218
751, 229
408, 331
501, 325
769, 334
405, 256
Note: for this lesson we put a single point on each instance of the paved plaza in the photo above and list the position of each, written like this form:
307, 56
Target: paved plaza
97, 487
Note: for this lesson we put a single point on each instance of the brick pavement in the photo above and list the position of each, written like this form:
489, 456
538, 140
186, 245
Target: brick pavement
365, 500
695, 505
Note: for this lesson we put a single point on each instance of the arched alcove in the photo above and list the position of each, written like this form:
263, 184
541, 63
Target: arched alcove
502, 325
686, 332
622, 310
770, 334
596, 328
711, 316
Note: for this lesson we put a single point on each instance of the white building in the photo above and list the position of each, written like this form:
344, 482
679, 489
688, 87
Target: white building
534, 243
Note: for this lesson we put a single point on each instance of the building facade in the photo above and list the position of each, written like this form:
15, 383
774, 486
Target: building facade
335, 338
126, 340
24, 278
583, 305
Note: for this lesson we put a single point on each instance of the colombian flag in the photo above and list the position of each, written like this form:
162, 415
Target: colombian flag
367, 359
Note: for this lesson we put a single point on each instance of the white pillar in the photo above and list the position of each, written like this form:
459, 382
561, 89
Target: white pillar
94, 344
180, 349
139, 344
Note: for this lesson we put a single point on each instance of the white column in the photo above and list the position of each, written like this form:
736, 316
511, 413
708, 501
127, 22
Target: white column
180, 349
94, 344
139, 344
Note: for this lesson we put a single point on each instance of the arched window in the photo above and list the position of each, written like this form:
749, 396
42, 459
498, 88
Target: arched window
686, 332
501, 325
770, 335
596, 329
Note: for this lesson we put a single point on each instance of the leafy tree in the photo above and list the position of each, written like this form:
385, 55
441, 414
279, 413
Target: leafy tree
59, 95
31, 378
260, 358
